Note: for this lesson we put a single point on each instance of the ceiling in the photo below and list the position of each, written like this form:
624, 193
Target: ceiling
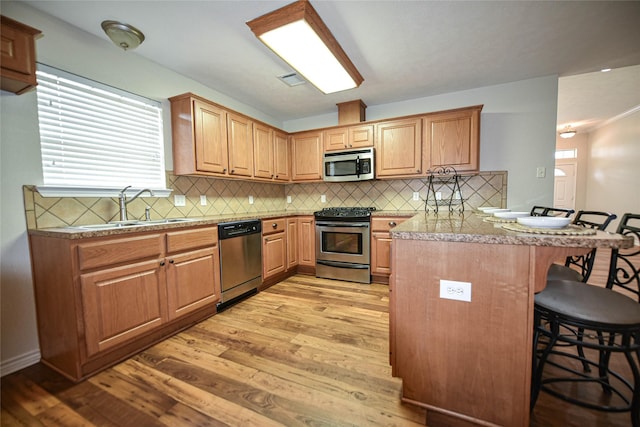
403, 49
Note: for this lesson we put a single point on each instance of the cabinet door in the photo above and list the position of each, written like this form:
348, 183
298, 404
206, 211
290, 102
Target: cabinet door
307, 156
210, 127
306, 241
122, 303
191, 281
292, 243
452, 139
17, 56
360, 136
335, 139
240, 145
282, 162
274, 254
380, 253
398, 148
263, 151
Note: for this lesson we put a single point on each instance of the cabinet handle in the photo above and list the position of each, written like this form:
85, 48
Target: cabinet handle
392, 223
161, 263
224, 170
233, 170
274, 225
171, 261
418, 170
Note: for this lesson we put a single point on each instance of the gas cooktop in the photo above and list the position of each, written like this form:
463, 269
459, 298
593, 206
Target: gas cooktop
345, 213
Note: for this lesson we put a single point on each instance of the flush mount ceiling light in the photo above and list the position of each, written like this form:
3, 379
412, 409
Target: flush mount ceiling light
567, 132
297, 34
123, 35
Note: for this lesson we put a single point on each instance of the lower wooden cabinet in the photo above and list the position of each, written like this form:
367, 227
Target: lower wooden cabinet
274, 247
292, 243
307, 241
102, 299
381, 245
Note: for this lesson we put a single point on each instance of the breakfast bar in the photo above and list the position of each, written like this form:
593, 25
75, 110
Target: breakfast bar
461, 312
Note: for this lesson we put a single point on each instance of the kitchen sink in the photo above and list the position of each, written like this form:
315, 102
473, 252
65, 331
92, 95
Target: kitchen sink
127, 224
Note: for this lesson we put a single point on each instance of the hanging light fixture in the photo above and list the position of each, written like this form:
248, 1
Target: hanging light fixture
122, 35
568, 132
297, 34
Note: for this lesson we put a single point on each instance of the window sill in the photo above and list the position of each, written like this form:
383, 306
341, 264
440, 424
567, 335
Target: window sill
52, 191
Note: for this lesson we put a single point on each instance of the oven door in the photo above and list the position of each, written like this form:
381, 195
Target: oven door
347, 242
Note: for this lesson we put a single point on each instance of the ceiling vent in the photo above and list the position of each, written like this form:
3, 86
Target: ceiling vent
292, 79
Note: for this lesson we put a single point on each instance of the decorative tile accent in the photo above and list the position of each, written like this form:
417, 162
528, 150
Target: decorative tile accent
232, 197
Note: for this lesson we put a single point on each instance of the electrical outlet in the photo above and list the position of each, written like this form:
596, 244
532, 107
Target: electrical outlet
456, 195
203, 200
438, 195
179, 200
541, 171
250, 200
459, 291
416, 196
288, 199
323, 198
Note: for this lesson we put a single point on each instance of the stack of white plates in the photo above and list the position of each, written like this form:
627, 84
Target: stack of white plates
544, 221
510, 214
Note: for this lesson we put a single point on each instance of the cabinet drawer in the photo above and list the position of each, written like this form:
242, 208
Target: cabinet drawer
115, 251
386, 223
191, 239
270, 226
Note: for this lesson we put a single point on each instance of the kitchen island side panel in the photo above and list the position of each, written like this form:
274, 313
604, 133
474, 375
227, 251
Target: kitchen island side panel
471, 360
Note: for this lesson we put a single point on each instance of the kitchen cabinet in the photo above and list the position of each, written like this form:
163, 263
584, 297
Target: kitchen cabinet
381, 245
274, 247
17, 56
452, 138
306, 151
282, 156
240, 141
271, 153
306, 244
292, 243
199, 130
348, 137
399, 148
102, 299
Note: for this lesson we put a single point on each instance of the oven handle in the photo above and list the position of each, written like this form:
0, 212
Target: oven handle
343, 265
342, 224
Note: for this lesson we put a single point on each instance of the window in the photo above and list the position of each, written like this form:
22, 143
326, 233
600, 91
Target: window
95, 136
571, 153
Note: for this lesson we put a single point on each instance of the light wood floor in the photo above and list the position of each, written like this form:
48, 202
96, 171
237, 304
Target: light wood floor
305, 352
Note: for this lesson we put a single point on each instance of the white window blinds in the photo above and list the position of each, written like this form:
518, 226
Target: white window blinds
93, 135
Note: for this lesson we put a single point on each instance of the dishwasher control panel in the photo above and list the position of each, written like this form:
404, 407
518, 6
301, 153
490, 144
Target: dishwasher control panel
227, 230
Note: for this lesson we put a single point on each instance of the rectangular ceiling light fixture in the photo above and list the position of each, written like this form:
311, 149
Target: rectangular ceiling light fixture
297, 35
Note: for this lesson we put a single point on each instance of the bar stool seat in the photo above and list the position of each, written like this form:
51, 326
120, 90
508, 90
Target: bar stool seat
609, 322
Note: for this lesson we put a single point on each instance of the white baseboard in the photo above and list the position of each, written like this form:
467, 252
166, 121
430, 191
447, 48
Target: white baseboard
19, 362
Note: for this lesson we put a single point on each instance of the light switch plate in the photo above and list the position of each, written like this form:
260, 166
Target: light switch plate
459, 291
179, 200
250, 200
416, 196
288, 199
541, 171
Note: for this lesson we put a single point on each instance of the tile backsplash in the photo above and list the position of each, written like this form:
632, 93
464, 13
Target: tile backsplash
231, 196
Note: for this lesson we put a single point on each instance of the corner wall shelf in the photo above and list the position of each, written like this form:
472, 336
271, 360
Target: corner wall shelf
449, 179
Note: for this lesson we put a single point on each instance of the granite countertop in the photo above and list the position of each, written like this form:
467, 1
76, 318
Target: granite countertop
77, 232
472, 228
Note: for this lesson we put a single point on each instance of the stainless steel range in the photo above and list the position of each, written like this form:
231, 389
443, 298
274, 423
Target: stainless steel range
343, 244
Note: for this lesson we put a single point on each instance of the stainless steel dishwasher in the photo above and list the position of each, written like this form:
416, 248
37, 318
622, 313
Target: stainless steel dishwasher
240, 260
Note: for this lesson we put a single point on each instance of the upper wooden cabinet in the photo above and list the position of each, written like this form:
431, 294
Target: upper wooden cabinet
398, 148
240, 139
17, 56
306, 149
452, 138
271, 153
199, 131
348, 137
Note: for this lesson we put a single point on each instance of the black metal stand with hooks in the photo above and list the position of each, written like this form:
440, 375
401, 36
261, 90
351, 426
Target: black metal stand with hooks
447, 176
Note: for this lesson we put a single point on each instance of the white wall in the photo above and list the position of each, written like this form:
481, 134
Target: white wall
518, 131
518, 134
613, 168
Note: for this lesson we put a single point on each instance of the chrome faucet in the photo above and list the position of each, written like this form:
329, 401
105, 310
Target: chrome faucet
124, 202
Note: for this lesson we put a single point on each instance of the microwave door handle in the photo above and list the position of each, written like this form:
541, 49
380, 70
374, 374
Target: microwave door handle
358, 166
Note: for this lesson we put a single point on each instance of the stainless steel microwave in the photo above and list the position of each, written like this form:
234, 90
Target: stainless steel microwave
348, 165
